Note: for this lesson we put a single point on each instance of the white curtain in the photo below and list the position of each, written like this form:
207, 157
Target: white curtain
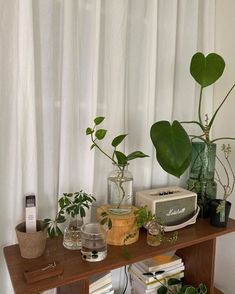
65, 62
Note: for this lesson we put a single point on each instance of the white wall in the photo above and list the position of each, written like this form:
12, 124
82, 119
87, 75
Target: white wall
225, 125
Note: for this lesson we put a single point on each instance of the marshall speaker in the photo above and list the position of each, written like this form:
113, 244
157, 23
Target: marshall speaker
174, 206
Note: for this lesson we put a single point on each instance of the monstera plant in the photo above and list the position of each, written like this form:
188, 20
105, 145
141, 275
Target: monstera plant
171, 141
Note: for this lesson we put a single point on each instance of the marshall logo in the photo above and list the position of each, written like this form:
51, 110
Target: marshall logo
175, 212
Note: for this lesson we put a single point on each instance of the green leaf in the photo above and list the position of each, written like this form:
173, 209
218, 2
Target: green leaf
58, 231
89, 131
202, 288
103, 221
98, 120
173, 147
92, 146
110, 224
121, 157
162, 290
136, 154
100, 134
82, 212
51, 232
173, 281
190, 290
206, 70
117, 140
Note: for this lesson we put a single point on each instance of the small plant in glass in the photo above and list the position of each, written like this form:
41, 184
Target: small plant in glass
227, 182
72, 206
120, 179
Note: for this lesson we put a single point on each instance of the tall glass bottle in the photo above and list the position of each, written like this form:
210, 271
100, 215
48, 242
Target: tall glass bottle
120, 194
201, 177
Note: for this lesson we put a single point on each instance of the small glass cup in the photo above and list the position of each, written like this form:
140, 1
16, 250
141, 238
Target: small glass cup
94, 246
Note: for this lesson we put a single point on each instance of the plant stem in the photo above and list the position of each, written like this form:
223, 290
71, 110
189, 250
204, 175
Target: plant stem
96, 145
225, 98
199, 106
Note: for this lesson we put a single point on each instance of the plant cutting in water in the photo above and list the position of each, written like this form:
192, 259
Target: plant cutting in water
228, 183
117, 157
71, 204
172, 143
144, 218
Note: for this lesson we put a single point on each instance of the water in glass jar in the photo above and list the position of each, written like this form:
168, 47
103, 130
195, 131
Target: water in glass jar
72, 236
117, 188
93, 250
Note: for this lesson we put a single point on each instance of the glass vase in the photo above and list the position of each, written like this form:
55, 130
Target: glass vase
153, 233
94, 245
72, 234
120, 195
201, 177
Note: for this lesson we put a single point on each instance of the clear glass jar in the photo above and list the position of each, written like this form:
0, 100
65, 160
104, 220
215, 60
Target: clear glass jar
72, 234
94, 245
201, 176
120, 194
153, 233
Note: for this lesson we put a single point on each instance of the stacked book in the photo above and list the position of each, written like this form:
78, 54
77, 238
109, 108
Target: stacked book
150, 274
101, 284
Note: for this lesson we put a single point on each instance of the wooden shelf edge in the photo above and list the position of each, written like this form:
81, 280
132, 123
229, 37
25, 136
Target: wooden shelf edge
217, 291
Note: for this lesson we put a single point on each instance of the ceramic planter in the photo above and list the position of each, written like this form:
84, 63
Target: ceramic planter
32, 245
219, 219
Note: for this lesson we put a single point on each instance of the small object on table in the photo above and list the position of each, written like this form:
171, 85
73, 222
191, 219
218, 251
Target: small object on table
44, 272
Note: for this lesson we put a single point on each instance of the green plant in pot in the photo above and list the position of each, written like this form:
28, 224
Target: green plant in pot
72, 207
172, 143
220, 208
120, 179
174, 286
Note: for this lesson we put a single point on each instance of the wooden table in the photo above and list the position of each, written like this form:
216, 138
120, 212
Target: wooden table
196, 245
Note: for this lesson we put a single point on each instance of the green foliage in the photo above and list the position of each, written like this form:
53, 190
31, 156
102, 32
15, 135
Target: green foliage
173, 146
206, 70
71, 204
117, 157
106, 220
227, 180
174, 286
143, 216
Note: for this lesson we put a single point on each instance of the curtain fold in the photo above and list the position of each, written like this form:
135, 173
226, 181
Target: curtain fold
65, 62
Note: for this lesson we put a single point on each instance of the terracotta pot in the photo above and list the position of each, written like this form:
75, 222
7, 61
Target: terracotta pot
32, 245
215, 219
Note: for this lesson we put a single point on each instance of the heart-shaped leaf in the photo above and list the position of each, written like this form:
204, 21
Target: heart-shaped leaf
173, 147
100, 134
121, 158
136, 154
117, 140
206, 70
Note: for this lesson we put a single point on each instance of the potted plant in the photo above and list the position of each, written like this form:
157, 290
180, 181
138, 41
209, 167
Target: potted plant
72, 206
120, 179
172, 143
32, 245
220, 208
174, 286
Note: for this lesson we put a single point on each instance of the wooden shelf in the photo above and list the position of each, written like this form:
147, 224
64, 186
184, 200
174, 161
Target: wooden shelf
196, 245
